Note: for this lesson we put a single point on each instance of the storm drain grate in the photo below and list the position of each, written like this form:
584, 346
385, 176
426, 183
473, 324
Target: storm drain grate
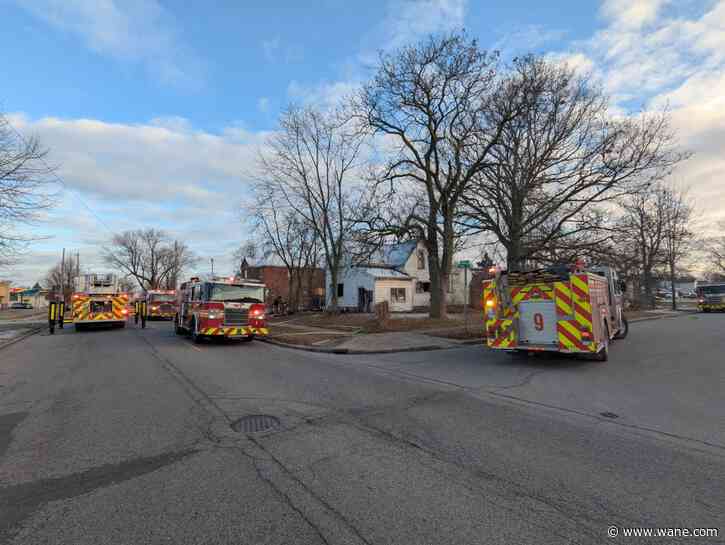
255, 423
609, 415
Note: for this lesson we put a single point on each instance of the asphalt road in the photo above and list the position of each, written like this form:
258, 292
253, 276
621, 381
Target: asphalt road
126, 436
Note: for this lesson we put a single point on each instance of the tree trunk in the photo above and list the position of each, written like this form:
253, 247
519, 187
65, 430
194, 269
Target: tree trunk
648, 301
672, 285
332, 307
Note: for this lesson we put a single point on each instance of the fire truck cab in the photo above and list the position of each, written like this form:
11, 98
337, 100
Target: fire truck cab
710, 297
221, 308
98, 299
566, 309
160, 304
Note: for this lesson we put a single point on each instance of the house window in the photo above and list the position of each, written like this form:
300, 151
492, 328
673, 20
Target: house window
422, 287
397, 295
421, 260
340, 290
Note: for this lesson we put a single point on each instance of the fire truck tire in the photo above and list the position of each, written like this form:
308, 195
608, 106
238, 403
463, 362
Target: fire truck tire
178, 330
603, 354
622, 333
195, 337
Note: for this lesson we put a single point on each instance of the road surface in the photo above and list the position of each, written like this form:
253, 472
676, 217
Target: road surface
126, 436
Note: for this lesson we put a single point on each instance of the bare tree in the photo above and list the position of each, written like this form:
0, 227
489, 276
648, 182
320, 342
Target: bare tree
561, 156
150, 257
715, 252
679, 236
25, 187
286, 236
429, 103
643, 228
310, 166
62, 276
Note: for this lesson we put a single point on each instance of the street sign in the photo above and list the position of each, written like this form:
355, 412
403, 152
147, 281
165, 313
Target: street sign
465, 264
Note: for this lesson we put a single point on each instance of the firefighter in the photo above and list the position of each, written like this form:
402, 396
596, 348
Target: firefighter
143, 308
61, 313
52, 315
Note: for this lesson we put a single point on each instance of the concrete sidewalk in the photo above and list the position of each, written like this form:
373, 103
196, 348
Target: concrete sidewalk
409, 341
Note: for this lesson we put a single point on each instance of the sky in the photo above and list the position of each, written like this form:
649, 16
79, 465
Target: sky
154, 110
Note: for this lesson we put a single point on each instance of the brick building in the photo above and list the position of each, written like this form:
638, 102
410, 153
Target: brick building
277, 280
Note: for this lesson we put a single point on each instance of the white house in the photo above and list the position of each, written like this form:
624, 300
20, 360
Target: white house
397, 274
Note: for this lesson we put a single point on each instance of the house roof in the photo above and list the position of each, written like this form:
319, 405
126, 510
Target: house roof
382, 272
396, 255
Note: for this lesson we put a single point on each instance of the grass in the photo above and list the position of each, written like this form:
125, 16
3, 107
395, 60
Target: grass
366, 323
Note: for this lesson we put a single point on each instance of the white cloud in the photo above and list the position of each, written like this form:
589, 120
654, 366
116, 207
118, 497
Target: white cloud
133, 30
163, 174
657, 54
632, 13
263, 104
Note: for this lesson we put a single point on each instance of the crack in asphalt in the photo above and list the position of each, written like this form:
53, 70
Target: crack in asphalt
18, 502
215, 411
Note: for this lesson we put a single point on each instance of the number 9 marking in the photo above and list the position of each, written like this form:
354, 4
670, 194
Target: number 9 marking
539, 321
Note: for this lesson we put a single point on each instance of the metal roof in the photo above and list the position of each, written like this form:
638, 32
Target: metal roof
396, 255
382, 272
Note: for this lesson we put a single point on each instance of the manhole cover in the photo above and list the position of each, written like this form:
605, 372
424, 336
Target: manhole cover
610, 415
255, 423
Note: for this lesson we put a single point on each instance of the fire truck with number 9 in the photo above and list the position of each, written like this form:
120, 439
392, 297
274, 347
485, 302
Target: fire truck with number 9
561, 309
221, 308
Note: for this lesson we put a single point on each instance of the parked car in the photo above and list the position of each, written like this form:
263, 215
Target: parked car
19, 305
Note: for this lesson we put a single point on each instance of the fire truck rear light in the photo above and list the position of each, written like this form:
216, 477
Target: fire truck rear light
124, 311
490, 303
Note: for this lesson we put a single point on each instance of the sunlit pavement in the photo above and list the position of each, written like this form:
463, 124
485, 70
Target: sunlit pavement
128, 436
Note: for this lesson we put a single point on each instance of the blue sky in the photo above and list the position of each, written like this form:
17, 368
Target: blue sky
154, 110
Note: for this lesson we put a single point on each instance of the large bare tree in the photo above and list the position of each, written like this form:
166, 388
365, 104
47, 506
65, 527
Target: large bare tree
563, 155
25, 187
679, 236
150, 256
429, 104
714, 247
285, 236
310, 165
642, 229
61, 277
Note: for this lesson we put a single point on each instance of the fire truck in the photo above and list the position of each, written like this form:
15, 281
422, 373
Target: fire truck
710, 297
560, 309
160, 304
221, 308
98, 300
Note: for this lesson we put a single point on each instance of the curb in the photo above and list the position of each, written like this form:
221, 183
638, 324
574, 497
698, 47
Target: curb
21, 337
650, 318
348, 351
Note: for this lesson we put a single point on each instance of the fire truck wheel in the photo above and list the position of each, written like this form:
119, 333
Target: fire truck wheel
603, 354
195, 337
177, 329
622, 333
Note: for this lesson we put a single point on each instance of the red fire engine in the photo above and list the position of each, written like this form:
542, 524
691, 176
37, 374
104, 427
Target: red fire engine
560, 309
160, 304
221, 308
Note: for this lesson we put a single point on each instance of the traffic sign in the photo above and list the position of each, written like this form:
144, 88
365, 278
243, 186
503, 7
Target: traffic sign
465, 264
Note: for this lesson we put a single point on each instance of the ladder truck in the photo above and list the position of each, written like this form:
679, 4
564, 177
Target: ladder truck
98, 300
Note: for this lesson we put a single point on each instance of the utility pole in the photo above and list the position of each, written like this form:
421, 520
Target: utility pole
212, 267
62, 276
